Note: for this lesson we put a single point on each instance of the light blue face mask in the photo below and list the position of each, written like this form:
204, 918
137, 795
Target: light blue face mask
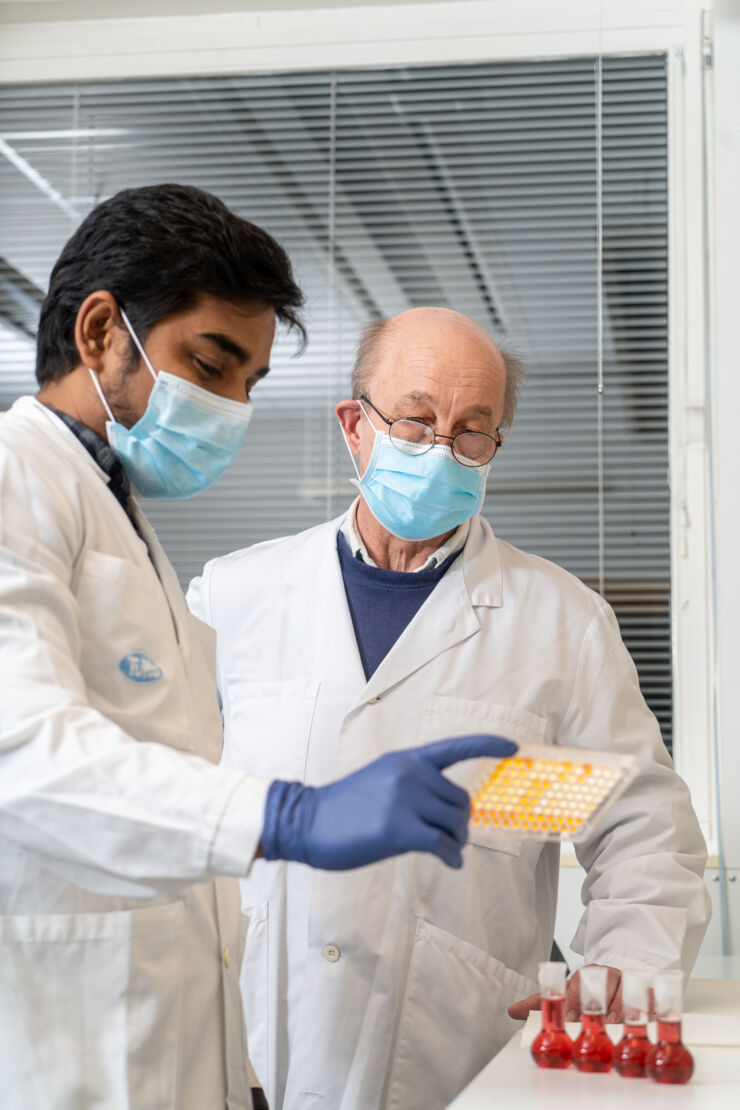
418, 497
185, 440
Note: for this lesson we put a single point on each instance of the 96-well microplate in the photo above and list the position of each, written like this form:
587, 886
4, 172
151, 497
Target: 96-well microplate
545, 792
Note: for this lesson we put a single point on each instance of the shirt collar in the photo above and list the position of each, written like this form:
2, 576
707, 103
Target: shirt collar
348, 528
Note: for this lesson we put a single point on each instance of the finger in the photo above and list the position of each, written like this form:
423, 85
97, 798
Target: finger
519, 1010
573, 998
614, 996
441, 815
439, 785
445, 752
439, 844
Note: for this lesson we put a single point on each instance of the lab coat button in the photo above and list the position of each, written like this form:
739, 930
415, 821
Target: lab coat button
331, 953
372, 701
227, 958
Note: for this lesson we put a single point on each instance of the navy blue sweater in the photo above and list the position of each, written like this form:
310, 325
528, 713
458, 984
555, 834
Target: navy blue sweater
383, 602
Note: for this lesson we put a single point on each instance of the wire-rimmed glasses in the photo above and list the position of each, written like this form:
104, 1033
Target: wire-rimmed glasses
415, 437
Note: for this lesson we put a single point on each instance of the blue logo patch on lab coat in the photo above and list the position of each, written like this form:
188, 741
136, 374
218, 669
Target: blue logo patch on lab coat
139, 667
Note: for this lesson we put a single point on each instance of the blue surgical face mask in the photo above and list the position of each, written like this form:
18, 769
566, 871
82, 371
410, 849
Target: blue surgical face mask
185, 440
417, 497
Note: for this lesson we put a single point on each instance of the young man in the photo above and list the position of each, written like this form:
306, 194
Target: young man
120, 940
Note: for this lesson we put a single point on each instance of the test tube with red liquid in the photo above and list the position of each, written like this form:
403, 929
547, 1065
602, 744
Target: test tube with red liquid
552, 1047
592, 1049
669, 1061
631, 1053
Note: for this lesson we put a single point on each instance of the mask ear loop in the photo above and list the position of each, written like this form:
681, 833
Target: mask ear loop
101, 395
135, 338
346, 444
143, 354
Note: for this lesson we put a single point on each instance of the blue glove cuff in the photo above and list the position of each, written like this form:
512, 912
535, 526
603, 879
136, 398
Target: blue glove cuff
288, 814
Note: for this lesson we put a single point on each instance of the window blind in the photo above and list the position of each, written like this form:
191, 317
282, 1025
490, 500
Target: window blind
530, 195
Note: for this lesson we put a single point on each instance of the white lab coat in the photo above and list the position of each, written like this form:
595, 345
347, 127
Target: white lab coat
430, 958
119, 952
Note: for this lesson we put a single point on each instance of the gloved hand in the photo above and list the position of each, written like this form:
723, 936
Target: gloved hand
400, 803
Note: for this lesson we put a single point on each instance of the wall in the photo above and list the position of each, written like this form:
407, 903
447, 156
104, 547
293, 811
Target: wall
725, 223
43, 11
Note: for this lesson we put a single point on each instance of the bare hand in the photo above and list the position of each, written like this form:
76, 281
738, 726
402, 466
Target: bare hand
519, 1010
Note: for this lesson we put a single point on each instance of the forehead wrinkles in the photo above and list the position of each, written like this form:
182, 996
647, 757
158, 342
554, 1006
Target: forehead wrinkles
434, 347
441, 376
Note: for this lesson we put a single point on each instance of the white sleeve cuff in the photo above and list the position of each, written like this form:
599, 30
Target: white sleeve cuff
631, 960
240, 828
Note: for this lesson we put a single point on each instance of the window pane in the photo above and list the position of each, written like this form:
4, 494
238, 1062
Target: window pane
469, 186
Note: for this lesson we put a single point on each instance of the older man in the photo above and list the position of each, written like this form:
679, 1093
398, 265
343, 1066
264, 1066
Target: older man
401, 622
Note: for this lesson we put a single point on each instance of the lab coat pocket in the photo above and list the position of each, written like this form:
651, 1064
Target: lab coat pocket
475, 715
268, 725
109, 987
253, 980
453, 1019
443, 716
127, 636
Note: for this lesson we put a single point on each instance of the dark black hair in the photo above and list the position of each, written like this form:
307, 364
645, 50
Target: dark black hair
157, 249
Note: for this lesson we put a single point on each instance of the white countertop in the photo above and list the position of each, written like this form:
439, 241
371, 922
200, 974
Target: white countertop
513, 1079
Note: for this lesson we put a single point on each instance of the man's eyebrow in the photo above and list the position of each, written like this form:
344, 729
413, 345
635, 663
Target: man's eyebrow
415, 398
479, 410
227, 345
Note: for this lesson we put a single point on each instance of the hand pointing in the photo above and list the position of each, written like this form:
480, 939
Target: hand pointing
400, 803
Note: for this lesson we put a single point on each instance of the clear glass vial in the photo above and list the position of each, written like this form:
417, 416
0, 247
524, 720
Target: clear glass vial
592, 1050
669, 1061
552, 1047
631, 1053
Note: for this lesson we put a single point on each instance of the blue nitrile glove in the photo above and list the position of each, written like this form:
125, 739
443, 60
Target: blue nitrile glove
400, 803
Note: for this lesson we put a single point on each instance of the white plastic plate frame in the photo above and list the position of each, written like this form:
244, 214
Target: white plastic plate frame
476, 772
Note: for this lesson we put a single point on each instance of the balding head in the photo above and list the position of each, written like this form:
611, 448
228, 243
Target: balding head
445, 343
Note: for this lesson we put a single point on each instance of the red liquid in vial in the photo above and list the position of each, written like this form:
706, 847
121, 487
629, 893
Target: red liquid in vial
669, 1061
552, 1047
630, 1054
592, 1050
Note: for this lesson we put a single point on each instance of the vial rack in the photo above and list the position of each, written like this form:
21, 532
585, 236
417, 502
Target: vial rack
545, 792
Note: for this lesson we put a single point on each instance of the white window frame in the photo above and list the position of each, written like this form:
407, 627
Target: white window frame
461, 31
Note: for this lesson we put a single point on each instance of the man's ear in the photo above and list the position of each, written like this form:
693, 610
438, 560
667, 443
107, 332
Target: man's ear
97, 321
349, 415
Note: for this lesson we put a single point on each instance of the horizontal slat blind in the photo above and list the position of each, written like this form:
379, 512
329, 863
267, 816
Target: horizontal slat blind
472, 186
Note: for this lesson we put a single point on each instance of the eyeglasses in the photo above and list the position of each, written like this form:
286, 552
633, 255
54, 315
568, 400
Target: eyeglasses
415, 437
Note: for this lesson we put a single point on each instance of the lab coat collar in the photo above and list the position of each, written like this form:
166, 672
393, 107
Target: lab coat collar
481, 566
142, 536
335, 639
165, 571
146, 539
49, 423
447, 617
